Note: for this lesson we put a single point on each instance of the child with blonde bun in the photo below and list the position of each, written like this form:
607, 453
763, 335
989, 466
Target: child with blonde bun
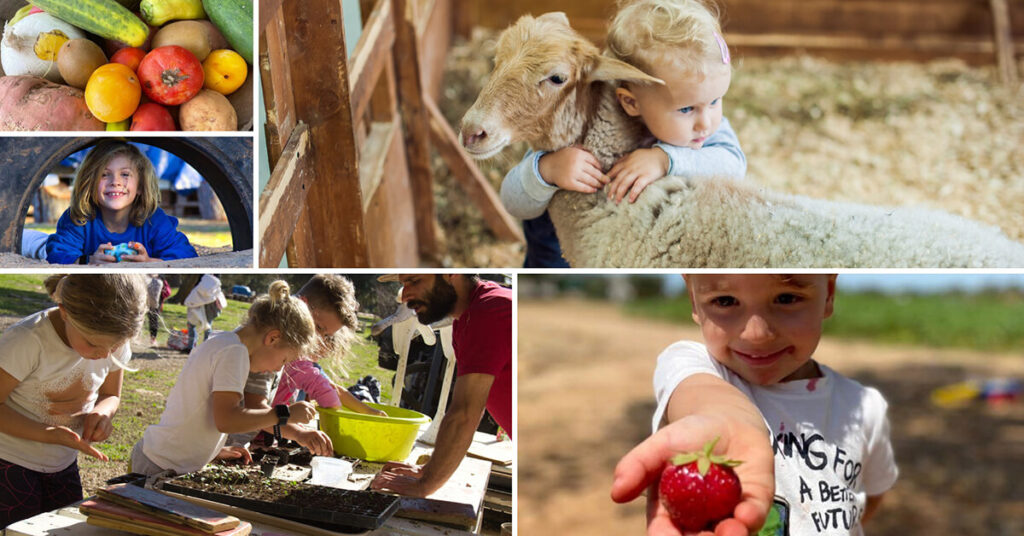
60, 386
205, 404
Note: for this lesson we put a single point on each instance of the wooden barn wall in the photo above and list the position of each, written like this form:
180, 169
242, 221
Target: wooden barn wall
842, 29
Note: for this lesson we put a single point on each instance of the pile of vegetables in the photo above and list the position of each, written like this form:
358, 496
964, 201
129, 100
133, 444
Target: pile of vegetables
127, 65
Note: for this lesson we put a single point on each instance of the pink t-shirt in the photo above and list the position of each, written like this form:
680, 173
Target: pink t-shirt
302, 374
482, 337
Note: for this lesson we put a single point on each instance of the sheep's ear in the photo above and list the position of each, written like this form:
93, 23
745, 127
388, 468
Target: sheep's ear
609, 69
555, 16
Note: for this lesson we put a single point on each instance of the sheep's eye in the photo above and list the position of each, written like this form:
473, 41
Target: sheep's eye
556, 79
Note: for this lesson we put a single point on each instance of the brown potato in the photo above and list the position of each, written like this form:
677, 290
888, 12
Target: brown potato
188, 34
77, 59
207, 111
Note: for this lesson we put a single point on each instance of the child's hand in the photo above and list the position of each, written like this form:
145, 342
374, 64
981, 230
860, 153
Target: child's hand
572, 168
141, 256
62, 435
301, 412
316, 441
641, 469
101, 257
234, 453
633, 172
96, 427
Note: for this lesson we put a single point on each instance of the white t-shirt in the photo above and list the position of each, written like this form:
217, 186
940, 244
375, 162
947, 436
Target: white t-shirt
56, 387
830, 436
186, 438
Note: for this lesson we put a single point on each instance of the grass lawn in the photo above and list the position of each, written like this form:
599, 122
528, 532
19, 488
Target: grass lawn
984, 321
199, 232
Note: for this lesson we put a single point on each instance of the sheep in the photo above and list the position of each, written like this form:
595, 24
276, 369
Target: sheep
688, 222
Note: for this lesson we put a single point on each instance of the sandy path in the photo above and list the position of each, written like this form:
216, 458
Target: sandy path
585, 398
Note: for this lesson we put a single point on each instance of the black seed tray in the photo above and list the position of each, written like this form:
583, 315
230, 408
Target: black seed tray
349, 508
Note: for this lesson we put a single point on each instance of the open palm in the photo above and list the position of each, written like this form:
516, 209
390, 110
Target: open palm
641, 469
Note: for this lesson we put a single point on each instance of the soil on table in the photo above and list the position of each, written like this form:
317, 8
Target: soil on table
250, 483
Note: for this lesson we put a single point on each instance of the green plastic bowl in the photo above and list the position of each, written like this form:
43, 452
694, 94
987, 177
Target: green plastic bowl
372, 437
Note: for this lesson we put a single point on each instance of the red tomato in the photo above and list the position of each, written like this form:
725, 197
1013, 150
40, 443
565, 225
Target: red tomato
170, 75
129, 56
152, 116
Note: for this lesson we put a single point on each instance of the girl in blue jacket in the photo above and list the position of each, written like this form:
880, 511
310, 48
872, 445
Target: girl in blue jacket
115, 200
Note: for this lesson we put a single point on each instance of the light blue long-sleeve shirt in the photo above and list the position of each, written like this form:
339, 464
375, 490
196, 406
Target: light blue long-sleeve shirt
526, 194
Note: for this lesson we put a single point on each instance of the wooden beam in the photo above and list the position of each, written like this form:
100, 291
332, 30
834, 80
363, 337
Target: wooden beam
268, 9
315, 34
1004, 41
282, 200
371, 55
372, 163
943, 44
409, 83
504, 226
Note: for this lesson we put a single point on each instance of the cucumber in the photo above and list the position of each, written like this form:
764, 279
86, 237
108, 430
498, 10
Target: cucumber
105, 18
234, 19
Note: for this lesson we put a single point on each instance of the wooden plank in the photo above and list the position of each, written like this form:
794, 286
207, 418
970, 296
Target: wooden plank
293, 527
164, 507
435, 42
392, 236
282, 200
1004, 41
271, 135
300, 249
105, 514
459, 502
936, 44
370, 56
372, 160
415, 129
268, 9
315, 34
462, 167
276, 80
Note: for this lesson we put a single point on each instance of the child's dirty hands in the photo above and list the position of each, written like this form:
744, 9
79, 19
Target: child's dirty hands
233, 453
641, 469
301, 412
100, 255
62, 435
96, 427
633, 172
572, 168
316, 441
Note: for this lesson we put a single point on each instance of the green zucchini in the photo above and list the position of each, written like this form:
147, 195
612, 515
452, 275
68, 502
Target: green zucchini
234, 19
105, 18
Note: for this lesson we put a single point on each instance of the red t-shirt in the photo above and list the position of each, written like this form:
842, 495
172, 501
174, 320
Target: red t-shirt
482, 337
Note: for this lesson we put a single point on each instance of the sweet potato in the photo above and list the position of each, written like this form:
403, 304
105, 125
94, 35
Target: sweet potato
30, 103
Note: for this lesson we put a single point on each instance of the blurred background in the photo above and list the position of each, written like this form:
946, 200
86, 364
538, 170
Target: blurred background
944, 349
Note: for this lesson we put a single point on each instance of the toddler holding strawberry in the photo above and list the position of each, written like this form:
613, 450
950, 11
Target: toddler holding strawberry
814, 444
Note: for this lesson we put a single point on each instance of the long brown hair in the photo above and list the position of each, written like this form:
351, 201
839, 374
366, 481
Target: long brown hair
83, 195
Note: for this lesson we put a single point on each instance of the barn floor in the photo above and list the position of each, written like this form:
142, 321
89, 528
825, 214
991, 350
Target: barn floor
940, 134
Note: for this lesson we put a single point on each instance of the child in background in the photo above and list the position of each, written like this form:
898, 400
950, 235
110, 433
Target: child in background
331, 299
205, 403
679, 42
115, 200
60, 385
203, 304
814, 444
157, 290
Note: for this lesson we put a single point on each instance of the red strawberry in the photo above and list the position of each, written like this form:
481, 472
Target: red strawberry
699, 489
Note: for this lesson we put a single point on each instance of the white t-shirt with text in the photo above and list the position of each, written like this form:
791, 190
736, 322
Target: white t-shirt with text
830, 436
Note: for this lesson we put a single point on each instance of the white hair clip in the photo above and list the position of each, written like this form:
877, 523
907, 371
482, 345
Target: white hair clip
722, 47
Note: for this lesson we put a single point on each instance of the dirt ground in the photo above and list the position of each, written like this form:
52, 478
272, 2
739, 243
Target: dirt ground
585, 398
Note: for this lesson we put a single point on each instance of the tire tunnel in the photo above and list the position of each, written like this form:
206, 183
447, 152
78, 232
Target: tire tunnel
225, 163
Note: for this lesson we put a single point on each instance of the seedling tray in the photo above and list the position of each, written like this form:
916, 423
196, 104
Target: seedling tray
307, 503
